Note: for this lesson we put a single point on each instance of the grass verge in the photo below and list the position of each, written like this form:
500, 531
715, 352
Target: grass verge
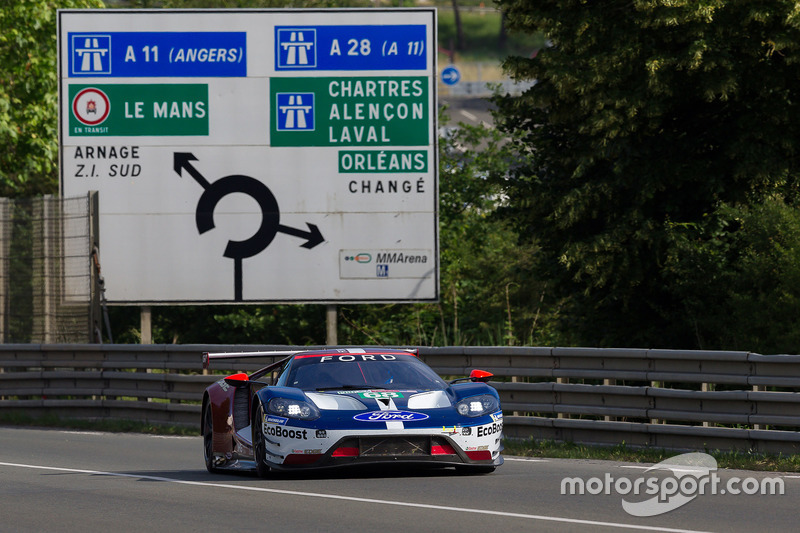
725, 459
111, 426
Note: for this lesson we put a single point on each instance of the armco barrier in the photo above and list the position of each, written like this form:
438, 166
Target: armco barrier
661, 398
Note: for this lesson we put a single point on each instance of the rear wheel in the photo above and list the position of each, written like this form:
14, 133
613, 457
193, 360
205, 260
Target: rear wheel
259, 445
208, 439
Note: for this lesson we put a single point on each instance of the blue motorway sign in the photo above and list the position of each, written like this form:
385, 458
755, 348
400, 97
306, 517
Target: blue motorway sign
157, 54
451, 75
351, 47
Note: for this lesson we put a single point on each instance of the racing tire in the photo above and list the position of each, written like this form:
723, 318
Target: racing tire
208, 439
469, 470
259, 445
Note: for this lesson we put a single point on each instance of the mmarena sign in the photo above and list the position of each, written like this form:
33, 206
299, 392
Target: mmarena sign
255, 155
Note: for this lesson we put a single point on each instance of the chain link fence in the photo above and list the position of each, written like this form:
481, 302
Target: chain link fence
48, 273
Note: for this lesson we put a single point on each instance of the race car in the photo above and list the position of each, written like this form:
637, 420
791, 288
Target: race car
344, 407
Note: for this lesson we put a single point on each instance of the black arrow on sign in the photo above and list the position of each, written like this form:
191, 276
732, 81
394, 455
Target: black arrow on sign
313, 236
270, 221
182, 160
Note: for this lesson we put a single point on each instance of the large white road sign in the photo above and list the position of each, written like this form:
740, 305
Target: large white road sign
255, 155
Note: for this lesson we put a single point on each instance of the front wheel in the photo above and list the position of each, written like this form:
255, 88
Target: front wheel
259, 446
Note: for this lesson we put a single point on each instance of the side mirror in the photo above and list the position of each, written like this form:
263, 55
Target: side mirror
238, 380
480, 375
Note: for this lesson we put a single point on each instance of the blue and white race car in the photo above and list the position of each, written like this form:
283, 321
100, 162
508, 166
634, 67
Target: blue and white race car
339, 407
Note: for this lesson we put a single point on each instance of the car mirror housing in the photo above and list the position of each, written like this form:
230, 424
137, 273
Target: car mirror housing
480, 375
238, 380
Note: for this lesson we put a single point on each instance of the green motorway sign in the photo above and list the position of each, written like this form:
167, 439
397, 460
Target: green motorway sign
138, 109
357, 111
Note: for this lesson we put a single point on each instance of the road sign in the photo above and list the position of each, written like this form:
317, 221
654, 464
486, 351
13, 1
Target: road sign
255, 155
451, 75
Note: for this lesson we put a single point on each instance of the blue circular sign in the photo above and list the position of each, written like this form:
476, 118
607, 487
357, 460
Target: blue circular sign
450, 75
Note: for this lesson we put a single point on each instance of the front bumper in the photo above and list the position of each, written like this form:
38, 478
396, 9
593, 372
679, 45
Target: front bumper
418, 449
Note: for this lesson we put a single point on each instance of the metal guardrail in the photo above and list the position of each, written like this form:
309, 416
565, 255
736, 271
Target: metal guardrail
661, 398
484, 89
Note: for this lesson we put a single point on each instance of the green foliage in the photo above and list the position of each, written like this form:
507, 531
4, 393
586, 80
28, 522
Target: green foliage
646, 116
483, 39
257, 3
747, 261
261, 324
29, 94
19, 322
484, 273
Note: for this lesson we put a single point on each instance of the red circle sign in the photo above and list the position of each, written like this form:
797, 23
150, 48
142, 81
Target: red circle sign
91, 106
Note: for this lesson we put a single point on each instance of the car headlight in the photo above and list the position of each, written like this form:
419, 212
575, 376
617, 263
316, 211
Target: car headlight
293, 408
478, 405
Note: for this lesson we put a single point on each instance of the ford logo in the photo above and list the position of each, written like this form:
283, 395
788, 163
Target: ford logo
390, 416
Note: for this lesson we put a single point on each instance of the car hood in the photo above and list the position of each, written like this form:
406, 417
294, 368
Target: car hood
376, 400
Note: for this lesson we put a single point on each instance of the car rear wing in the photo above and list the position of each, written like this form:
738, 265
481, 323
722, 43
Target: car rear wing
208, 356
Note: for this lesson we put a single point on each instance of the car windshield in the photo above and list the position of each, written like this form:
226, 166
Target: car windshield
362, 372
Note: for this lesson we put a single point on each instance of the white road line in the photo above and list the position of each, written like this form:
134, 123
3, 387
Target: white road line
687, 470
68, 432
525, 459
469, 115
354, 499
693, 471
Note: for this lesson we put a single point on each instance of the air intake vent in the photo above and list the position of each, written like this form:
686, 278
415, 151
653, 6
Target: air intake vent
241, 408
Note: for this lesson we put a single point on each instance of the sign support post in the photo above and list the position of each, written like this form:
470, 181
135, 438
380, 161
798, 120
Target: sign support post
331, 322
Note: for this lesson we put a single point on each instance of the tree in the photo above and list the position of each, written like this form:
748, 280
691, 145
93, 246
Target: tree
29, 95
487, 296
748, 264
646, 118
459, 45
230, 4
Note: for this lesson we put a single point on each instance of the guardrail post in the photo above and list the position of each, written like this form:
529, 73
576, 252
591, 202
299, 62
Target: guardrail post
331, 325
707, 387
562, 381
759, 388
655, 385
146, 319
611, 382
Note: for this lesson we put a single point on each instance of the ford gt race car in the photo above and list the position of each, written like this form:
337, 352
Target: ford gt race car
339, 407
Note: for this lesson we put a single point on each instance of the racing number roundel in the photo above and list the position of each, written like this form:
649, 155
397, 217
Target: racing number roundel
91, 106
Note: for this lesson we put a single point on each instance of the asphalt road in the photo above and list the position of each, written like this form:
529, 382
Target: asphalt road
472, 111
54, 480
